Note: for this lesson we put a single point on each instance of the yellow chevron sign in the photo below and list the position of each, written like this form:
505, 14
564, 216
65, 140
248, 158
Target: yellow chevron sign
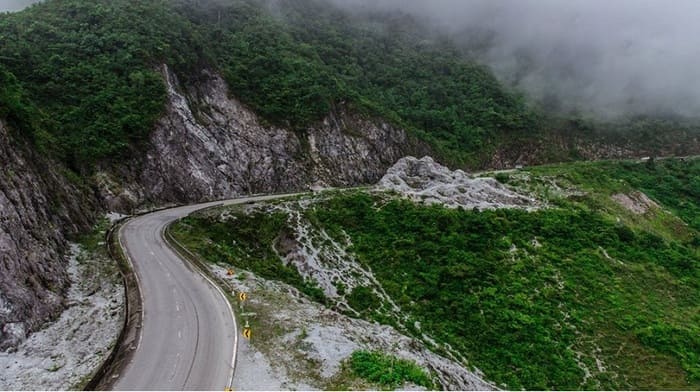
246, 333
242, 296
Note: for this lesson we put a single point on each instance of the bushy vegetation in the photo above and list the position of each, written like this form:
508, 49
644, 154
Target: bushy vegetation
247, 242
533, 298
297, 62
522, 309
566, 297
674, 183
15, 106
91, 70
388, 371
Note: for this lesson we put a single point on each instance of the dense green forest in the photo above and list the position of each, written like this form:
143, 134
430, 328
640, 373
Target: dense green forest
91, 70
83, 77
582, 294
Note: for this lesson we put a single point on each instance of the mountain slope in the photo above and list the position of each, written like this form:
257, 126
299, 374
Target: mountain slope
39, 209
209, 146
114, 105
91, 71
596, 289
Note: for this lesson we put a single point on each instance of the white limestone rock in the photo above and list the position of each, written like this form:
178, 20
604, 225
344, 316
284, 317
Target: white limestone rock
427, 181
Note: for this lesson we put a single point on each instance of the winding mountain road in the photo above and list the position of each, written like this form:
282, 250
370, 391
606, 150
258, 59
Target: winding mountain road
189, 336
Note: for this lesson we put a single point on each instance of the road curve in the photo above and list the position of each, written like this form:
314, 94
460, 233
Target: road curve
188, 331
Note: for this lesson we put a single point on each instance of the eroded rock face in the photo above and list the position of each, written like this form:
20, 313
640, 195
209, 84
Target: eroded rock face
636, 202
38, 208
209, 146
427, 181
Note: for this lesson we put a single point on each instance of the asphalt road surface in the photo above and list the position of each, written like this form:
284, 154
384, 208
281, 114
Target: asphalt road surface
189, 336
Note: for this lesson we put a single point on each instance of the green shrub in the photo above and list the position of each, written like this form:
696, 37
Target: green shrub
503, 178
388, 371
363, 300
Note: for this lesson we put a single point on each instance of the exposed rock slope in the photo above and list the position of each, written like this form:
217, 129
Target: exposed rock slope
428, 181
210, 146
636, 201
38, 209
61, 356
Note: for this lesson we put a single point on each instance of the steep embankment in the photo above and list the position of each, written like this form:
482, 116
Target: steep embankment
206, 146
39, 208
209, 146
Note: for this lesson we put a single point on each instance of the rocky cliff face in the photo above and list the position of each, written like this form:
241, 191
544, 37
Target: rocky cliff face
210, 146
206, 146
38, 209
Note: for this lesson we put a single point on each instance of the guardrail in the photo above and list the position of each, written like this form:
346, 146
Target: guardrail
132, 312
127, 340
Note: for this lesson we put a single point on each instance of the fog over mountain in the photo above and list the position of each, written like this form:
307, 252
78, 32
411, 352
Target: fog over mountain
15, 5
625, 56
610, 58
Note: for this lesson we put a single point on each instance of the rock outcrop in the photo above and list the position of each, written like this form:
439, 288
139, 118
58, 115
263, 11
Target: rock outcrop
636, 202
38, 209
427, 181
210, 146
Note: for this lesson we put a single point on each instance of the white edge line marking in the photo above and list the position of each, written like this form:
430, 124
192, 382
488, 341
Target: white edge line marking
228, 303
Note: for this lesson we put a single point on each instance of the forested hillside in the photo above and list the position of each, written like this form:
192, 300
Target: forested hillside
598, 290
88, 91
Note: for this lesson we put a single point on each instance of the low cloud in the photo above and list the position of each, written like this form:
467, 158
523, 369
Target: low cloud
608, 57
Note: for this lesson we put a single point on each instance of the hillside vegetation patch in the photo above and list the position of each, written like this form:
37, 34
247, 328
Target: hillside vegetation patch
581, 294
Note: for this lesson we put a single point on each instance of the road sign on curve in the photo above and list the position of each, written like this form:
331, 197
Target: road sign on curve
246, 333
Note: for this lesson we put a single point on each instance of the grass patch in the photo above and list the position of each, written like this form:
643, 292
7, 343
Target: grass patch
94, 241
388, 371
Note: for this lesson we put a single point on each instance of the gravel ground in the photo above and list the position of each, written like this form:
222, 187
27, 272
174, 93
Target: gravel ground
65, 353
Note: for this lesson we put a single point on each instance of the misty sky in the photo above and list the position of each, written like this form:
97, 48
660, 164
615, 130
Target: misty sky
14, 5
609, 56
